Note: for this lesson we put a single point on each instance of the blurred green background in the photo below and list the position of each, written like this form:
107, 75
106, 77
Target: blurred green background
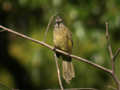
26, 65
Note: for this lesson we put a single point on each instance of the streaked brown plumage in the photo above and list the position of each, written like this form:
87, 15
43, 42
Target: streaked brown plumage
62, 39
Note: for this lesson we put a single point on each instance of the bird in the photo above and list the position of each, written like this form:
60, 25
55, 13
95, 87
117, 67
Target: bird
62, 39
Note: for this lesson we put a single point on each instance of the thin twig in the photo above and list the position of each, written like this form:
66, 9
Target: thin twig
60, 51
49, 23
116, 54
109, 47
108, 41
58, 72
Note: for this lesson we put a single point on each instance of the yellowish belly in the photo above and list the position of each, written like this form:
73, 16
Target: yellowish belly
60, 41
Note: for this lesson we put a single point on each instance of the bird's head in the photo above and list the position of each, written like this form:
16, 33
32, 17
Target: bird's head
58, 20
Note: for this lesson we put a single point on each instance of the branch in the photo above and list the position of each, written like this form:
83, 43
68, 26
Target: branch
109, 47
113, 57
60, 51
108, 41
49, 23
58, 72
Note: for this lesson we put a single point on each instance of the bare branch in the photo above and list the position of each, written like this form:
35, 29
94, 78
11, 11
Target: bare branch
60, 51
112, 58
49, 23
108, 41
58, 72
116, 54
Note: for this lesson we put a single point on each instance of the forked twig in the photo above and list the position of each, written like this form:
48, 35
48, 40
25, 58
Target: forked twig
113, 57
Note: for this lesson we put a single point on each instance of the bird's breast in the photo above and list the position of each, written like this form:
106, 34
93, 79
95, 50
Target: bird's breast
60, 39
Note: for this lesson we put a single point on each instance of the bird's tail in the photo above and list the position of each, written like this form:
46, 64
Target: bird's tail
68, 70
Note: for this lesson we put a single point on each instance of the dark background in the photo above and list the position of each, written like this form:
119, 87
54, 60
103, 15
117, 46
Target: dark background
26, 65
